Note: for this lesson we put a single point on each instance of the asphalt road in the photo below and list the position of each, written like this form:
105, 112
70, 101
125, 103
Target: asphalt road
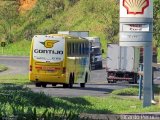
97, 86
16, 65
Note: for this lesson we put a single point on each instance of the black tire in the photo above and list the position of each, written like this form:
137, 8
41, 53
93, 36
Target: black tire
86, 77
44, 85
65, 85
71, 80
134, 79
109, 81
82, 85
38, 84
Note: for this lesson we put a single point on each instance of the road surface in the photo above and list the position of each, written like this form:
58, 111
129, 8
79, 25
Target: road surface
96, 87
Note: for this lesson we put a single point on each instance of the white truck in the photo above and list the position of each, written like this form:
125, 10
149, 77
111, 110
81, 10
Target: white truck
96, 53
82, 34
122, 63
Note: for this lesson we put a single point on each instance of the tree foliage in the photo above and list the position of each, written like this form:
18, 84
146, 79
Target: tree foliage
49, 16
156, 22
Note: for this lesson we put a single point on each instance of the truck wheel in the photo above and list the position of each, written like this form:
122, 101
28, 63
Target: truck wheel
65, 85
82, 85
114, 81
38, 84
134, 79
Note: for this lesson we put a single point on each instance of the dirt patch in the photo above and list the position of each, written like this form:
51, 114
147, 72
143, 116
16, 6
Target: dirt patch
26, 5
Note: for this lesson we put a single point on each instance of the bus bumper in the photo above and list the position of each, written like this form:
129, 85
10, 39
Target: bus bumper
48, 78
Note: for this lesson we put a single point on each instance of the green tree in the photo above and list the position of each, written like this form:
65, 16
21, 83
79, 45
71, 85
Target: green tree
156, 22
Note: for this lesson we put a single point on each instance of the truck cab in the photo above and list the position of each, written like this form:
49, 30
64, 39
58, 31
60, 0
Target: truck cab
95, 53
96, 57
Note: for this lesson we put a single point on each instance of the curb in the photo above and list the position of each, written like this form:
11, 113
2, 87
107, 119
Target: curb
136, 116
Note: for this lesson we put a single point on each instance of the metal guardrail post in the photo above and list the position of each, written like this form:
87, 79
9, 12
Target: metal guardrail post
153, 69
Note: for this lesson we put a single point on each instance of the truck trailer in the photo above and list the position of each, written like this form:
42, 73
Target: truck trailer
122, 63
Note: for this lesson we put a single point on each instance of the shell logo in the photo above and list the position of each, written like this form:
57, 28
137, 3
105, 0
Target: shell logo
49, 43
135, 6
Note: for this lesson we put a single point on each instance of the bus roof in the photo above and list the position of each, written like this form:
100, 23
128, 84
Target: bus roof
63, 35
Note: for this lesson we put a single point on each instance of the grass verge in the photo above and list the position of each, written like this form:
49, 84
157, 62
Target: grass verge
3, 68
133, 91
14, 79
20, 48
20, 101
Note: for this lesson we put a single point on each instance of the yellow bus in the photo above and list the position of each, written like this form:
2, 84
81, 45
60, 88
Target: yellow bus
59, 59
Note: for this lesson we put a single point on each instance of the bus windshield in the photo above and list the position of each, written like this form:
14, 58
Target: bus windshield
48, 48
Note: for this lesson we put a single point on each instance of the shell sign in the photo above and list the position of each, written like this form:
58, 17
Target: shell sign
135, 6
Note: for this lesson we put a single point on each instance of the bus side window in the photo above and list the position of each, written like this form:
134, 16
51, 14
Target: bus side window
80, 48
87, 48
83, 49
73, 49
76, 49
69, 49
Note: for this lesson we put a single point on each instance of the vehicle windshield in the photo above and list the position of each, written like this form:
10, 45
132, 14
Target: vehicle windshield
96, 51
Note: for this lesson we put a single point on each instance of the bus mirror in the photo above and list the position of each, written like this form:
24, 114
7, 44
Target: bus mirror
102, 50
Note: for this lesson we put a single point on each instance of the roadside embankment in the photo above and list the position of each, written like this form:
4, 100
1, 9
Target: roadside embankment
3, 68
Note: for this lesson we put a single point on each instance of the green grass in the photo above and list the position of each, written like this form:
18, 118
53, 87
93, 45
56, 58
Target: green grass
126, 91
14, 94
20, 48
18, 97
3, 68
14, 79
133, 91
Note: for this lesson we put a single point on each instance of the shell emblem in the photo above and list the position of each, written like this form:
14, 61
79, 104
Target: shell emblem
135, 6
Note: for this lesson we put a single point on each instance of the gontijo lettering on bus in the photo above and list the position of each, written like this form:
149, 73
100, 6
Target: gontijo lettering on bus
48, 49
49, 43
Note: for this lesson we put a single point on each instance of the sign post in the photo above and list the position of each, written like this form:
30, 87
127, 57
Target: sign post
136, 29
